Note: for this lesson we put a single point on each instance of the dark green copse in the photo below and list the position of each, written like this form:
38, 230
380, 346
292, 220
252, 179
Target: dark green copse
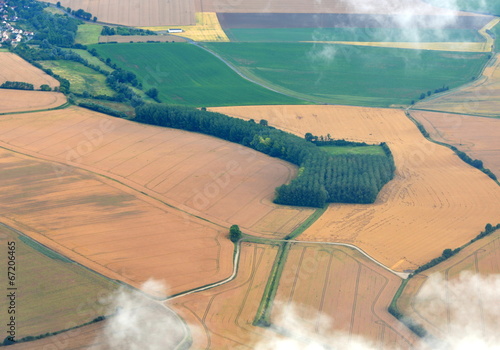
234, 233
322, 177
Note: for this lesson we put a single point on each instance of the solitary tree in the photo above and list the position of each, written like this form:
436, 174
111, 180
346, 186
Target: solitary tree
263, 122
234, 233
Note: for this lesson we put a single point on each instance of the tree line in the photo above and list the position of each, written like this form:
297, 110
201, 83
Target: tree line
18, 85
322, 178
125, 31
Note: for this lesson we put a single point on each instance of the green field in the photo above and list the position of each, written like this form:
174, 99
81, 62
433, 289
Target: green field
53, 293
187, 75
92, 59
88, 34
351, 75
480, 6
81, 78
373, 150
352, 34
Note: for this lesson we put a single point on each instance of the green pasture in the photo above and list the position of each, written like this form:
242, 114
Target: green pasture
188, 75
373, 150
351, 75
81, 78
92, 59
352, 34
88, 34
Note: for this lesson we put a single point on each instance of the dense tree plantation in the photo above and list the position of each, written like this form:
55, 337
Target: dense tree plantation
322, 177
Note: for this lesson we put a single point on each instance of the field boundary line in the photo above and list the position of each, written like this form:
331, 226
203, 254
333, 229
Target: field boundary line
63, 106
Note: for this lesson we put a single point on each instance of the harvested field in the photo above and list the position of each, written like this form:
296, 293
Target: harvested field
435, 201
14, 68
476, 136
39, 275
207, 28
103, 39
481, 97
223, 316
12, 101
106, 226
437, 312
135, 12
218, 180
338, 291
419, 7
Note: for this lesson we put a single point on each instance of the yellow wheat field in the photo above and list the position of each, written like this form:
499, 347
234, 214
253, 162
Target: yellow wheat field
436, 201
207, 28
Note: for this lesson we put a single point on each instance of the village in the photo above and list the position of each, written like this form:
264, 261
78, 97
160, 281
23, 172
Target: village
9, 34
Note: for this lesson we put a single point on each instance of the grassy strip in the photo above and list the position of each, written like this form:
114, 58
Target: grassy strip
306, 224
462, 155
44, 250
63, 106
408, 322
263, 316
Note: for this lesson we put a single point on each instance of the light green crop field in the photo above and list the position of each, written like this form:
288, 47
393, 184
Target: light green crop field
92, 59
53, 293
81, 78
352, 34
88, 34
373, 150
188, 75
351, 75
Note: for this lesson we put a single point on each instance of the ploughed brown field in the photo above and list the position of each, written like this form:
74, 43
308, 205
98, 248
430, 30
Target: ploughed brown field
139, 38
22, 100
435, 202
345, 20
476, 136
14, 68
136, 12
438, 312
337, 292
108, 227
481, 97
220, 181
325, 6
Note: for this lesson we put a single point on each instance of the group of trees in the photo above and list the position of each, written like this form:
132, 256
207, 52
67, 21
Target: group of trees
322, 177
18, 85
428, 93
125, 31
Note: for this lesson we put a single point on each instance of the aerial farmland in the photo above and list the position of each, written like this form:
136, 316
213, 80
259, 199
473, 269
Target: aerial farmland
249, 175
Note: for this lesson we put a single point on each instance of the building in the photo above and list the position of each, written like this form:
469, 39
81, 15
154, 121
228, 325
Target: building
174, 30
